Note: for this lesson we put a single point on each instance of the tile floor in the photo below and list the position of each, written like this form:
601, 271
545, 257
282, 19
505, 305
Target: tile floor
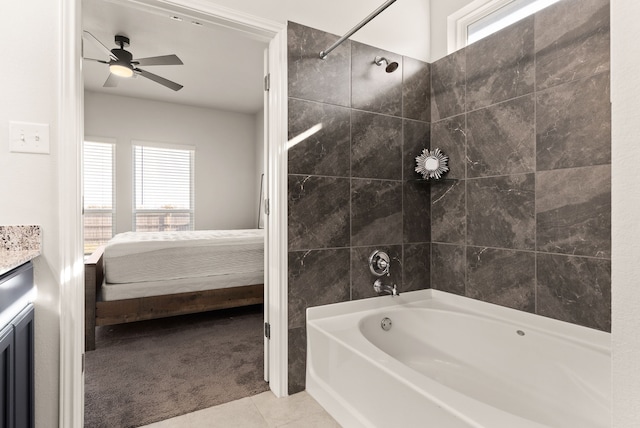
260, 411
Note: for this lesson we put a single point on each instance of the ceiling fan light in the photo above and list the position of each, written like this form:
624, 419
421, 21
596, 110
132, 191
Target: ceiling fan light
121, 70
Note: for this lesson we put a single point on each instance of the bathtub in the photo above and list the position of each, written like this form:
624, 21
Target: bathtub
452, 362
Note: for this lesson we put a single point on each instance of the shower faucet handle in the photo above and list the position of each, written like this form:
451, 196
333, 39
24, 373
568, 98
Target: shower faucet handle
379, 263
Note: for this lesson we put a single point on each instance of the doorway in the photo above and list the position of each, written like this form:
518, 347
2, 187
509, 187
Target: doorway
198, 120
71, 389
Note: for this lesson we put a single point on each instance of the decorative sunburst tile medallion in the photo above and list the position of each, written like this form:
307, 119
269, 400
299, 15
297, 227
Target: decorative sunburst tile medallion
432, 164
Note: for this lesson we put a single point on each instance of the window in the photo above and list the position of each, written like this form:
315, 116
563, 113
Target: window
99, 195
163, 187
481, 18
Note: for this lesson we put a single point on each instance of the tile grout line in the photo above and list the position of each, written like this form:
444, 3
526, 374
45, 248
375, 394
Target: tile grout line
579, 256
350, 171
350, 208
466, 183
431, 98
345, 177
315, 409
264, 418
402, 140
535, 168
533, 92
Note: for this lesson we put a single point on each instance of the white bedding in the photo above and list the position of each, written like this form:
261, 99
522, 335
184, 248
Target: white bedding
174, 286
136, 257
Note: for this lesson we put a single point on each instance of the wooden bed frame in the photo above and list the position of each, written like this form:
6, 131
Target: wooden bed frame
99, 312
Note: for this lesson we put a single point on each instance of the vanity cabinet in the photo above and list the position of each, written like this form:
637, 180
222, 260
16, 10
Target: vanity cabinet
17, 361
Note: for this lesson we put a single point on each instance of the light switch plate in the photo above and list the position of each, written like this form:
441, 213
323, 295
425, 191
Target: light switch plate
28, 137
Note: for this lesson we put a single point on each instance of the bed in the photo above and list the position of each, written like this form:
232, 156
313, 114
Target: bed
146, 275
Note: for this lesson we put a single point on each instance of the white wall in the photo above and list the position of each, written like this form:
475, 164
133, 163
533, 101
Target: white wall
440, 10
402, 28
28, 182
625, 176
225, 154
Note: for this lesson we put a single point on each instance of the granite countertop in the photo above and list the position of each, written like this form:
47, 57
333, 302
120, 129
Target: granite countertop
18, 245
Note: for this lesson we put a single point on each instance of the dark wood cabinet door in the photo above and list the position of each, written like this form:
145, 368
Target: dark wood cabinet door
23, 368
6, 377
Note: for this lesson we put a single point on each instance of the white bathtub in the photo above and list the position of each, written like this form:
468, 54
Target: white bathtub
450, 362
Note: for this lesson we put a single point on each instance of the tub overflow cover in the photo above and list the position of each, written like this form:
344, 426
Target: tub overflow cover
385, 324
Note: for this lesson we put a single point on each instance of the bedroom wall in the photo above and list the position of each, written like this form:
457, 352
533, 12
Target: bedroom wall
348, 193
225, 159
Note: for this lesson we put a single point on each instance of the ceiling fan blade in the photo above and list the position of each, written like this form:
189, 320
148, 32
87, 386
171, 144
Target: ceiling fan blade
159, 60
161, 80
101, 46
96, 60
111, 82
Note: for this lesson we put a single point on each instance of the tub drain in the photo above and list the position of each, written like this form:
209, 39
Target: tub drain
385, 324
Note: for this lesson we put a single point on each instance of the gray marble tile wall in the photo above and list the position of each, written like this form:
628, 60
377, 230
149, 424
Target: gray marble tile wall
525, 118
348, 193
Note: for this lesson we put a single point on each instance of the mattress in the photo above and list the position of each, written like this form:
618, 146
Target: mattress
160, 288
133, 257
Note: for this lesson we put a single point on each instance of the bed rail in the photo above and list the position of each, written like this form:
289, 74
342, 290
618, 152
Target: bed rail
99, 312
93, 277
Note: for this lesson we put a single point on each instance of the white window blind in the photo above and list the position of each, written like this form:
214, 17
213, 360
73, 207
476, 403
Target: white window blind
163, 187
99, 195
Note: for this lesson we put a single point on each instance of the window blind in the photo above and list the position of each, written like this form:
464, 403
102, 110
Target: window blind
99, 195
163, 187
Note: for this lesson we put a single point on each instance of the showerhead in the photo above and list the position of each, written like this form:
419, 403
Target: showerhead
390, 66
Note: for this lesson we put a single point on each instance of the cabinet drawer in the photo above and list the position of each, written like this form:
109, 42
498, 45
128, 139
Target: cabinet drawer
15, 284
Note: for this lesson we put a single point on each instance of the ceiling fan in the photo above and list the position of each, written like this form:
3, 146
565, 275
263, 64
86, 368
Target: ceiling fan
122, 64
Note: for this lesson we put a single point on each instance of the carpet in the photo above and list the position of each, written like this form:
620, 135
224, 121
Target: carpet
148, 371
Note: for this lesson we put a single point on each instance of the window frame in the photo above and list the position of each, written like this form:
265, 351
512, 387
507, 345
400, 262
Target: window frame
113, 143
170, 146
459, 21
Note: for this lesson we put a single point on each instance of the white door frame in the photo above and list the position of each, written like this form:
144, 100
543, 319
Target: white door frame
276, 172
70, 137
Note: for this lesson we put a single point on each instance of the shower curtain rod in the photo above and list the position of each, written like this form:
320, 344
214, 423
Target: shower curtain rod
324, 53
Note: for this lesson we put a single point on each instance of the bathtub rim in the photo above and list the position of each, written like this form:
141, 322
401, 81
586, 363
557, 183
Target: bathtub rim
594, 339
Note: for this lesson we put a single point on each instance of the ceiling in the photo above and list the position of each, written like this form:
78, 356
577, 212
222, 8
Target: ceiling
223, 68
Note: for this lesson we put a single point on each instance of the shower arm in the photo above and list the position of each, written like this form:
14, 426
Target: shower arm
324, 53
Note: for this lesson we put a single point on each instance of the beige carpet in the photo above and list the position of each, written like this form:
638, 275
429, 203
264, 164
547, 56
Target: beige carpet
152, 370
